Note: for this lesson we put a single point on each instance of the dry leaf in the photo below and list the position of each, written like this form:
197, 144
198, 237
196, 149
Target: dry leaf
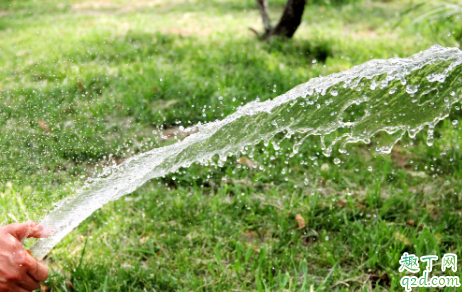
375, 278
249, 236
246, 161
300, 221
402, 238
70, 285
44, 126
438, 237
342, 202
310, 239
411, 223
44, 288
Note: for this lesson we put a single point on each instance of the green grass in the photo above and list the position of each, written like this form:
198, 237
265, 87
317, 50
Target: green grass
82, 85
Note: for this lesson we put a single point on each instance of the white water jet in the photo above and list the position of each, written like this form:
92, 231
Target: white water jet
396, 96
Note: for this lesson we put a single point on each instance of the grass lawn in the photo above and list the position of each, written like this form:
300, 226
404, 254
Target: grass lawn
84, 84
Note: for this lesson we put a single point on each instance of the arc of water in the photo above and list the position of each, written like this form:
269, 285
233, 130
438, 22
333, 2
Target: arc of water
396, 95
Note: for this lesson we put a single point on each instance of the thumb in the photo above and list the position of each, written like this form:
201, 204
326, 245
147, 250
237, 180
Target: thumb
27, 230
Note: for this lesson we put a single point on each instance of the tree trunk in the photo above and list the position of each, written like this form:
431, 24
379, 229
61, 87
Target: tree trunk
290, 20
263, 7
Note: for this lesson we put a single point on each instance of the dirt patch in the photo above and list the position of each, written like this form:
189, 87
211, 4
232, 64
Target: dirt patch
369, 34
189, 31
5, 12
109, 7
176, 133
372, 34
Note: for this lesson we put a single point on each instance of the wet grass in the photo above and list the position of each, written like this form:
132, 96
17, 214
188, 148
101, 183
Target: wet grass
87, 83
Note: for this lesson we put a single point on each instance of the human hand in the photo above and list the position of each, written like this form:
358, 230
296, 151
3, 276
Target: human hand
19, 271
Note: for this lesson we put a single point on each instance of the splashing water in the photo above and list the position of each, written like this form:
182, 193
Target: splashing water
395, 96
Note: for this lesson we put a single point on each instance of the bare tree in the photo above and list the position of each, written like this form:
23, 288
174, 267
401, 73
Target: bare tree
289, 22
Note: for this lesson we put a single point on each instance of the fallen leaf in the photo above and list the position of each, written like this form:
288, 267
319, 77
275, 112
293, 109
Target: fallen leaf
300, 221
44, 288
310, 239
342, 202
249, 236
438, 237
402, 238
70, 285
246, 161
375, 278
413, 223
44, 126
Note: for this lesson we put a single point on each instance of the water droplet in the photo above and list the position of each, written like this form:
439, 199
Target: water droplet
411, 89
373, 85
455, 122
337, 161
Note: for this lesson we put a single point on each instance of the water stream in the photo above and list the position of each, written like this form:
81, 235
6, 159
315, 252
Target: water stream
397, 96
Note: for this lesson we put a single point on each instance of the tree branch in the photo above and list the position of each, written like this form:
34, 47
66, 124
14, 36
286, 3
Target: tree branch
263, 7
